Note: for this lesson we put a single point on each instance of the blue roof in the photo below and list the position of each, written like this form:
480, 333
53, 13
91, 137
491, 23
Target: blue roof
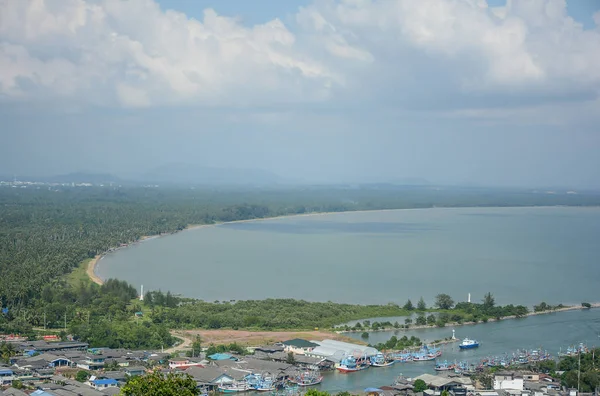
40, 392
106, 381
222, 356
6, 371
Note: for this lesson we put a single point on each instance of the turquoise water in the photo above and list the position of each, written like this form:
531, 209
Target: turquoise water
521, 255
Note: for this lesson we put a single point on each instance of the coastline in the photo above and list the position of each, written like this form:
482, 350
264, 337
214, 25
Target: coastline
91, 270
456, 324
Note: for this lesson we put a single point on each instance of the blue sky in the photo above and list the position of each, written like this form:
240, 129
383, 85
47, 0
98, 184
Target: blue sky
452, 91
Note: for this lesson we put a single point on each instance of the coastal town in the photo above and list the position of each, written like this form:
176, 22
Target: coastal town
51, 367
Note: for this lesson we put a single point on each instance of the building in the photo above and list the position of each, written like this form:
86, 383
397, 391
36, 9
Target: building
298, 346
508, 381
100, 384
441, 383
6, 376
335, 351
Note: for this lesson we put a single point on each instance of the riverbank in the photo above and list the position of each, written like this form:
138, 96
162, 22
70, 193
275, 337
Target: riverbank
456, 324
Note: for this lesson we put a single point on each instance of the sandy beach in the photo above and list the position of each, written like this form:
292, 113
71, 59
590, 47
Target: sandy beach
91, 268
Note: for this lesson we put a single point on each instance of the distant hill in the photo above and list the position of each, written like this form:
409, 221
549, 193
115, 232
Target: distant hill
204, 175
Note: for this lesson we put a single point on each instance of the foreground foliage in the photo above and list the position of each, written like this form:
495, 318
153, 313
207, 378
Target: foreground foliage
158, 384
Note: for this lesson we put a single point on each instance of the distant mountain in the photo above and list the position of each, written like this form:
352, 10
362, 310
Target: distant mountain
204, 175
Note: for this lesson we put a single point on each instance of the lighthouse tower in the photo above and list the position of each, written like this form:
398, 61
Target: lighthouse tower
142, 293
469, 298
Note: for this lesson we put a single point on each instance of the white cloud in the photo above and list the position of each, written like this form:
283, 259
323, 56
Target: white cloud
395, 51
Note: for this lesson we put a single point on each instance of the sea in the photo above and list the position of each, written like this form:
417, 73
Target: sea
520, 255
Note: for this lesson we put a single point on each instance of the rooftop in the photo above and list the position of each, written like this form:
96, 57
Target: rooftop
300, 343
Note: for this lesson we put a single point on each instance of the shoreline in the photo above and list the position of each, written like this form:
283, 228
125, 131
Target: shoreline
456, 324
91, 269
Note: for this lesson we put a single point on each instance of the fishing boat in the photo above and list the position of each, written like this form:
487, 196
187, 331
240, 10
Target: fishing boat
261, 382
234, 387
380, 360
444, 366
421, 357
468, 343
349, 365
574, 351
307, 378
403, 357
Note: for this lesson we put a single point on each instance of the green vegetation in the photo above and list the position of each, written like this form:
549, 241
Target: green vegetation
420, 386
395, 343
158, 384
589, 364
586, 305
543, 307
231, 348
82, 376
444, 301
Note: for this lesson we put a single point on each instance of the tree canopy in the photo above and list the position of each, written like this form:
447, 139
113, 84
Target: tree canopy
444, 301
158, 384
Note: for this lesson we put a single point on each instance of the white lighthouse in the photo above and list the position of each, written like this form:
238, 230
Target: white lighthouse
469, 298
142, 293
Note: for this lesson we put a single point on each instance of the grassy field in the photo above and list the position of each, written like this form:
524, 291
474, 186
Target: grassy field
79, 274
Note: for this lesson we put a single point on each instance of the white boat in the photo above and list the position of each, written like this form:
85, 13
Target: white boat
468, 343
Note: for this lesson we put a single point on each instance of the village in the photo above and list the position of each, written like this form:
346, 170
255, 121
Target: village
70, 368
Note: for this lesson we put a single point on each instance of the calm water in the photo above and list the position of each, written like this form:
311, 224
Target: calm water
550, 332
521, 255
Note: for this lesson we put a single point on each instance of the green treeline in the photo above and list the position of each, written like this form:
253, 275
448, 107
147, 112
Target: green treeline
45, 233
266, 314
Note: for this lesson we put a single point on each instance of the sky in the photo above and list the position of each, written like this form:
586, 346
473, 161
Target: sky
496, 93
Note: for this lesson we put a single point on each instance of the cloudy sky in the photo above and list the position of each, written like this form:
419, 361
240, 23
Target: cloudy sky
452, 91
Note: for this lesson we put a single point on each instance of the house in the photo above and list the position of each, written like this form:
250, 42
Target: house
440, 383
6, 376
508, 381
100, 384
134, 371
298, 346
212, 377
92, 362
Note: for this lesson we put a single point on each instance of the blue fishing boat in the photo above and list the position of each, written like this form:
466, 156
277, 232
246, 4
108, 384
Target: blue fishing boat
349, 364
468, 343
444, 366
381, 360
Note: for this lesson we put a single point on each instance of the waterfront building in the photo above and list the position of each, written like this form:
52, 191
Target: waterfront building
299, 346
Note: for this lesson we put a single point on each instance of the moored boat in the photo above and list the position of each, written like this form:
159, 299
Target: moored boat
444, 366
381, 360
468, 343
234, 387
307, 378
349, 365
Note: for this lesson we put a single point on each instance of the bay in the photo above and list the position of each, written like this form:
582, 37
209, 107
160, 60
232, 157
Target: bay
521, 255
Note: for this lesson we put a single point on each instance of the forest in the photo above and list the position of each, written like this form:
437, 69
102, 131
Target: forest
47, 232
